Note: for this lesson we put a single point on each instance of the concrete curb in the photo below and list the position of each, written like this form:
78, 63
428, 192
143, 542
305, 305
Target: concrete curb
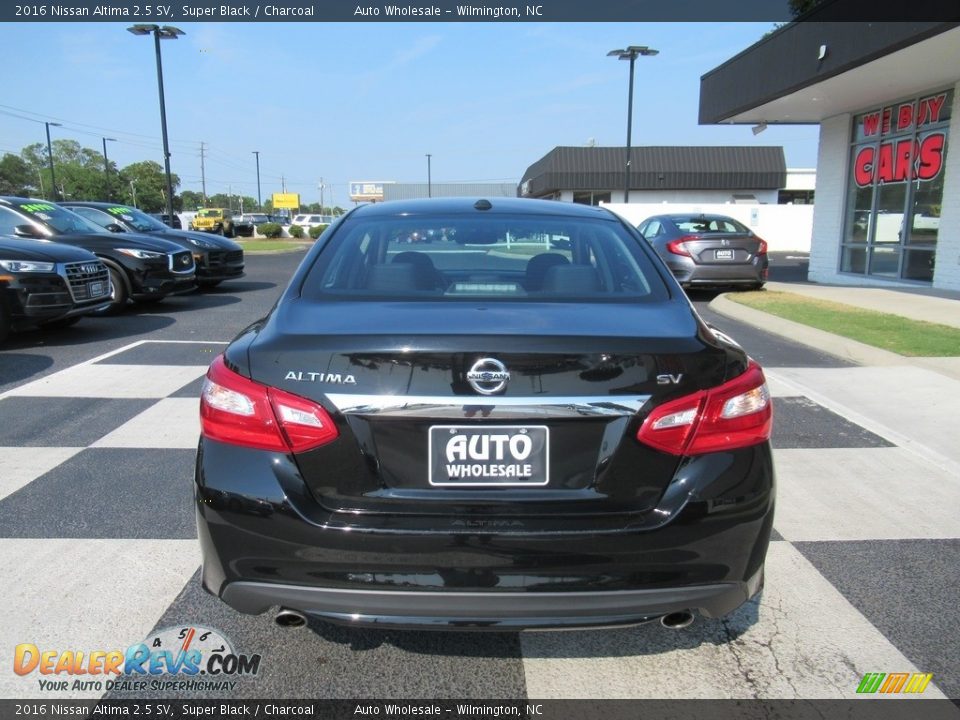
835, 345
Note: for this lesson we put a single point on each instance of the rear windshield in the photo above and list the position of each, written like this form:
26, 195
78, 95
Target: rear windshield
701, 224
492, 258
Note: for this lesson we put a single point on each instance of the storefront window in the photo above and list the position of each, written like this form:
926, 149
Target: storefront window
895, 190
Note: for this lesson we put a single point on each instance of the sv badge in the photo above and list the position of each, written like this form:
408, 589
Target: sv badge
668, 379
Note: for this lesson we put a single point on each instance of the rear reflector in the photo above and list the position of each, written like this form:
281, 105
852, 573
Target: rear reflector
733, 415
239, 411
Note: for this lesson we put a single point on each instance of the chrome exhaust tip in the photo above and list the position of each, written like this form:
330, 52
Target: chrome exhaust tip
677, 620
290, 618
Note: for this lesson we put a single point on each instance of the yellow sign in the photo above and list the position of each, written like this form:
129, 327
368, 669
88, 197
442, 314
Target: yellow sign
286, 200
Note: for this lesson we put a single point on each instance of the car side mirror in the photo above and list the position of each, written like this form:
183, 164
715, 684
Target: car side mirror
27, 231
114, 228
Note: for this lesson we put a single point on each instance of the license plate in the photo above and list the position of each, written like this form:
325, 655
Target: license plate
95, 289
504, 455
724, 254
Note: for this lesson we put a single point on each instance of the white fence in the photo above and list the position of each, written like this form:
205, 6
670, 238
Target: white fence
786, 228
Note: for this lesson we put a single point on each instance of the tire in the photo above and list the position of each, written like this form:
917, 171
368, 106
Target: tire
118, 294
229, 232
220, 231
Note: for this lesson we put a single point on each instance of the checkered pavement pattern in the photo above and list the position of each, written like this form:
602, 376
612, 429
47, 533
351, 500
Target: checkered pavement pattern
98, 547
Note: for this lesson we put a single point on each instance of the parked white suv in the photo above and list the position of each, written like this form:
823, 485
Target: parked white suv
312, 220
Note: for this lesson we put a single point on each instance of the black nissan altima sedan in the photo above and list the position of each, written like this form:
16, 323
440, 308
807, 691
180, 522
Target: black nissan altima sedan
523, 424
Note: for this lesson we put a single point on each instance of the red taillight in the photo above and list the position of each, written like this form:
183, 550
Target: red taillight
761, 247
733, 415
677, 246
239, 411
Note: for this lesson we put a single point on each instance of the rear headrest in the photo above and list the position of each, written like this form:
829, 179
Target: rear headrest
537, 268
571, 280
392, 277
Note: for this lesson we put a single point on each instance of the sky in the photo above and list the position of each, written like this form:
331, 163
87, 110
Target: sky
345, 102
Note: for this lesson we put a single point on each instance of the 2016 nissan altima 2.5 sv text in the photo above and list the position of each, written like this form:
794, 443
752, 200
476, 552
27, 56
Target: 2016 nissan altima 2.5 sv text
521, 424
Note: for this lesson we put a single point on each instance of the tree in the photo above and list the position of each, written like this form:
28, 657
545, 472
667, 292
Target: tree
150, 182
798, 7
191, 200
79, 170
234, 202
16, 177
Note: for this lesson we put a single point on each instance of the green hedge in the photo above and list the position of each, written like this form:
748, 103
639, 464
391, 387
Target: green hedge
317, 230
270, 230
296, 231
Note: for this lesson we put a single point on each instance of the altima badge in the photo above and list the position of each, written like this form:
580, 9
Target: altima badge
338, 378
488, 376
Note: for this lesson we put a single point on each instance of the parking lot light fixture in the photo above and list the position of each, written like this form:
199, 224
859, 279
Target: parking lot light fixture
259, 202
106, 167
161, 32
631, 53
53, 179
429, 182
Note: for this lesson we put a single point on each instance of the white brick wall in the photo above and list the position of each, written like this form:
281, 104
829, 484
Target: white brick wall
946, 276
832, 159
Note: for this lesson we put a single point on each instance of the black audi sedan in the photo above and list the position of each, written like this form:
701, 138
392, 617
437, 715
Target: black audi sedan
523, 424
141, 267
48, 284
217, 258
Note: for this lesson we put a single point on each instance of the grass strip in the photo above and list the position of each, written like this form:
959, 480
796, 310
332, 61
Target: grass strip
272, 245
890, 332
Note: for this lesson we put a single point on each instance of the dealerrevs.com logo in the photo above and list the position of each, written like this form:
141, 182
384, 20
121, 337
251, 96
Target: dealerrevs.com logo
176, 658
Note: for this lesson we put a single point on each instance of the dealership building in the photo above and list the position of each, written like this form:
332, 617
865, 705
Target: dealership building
658, 174
887, 99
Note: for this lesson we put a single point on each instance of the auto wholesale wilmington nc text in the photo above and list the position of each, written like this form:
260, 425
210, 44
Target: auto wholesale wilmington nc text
463, 710
484, 11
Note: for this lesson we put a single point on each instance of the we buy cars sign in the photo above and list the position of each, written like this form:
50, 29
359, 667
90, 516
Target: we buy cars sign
904, 159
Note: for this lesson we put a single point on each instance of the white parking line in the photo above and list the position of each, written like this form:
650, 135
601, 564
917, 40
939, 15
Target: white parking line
84, 595
802, 640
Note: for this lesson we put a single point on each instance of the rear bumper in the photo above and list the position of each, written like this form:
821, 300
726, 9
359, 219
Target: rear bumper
488, 610
689, 273
266, 542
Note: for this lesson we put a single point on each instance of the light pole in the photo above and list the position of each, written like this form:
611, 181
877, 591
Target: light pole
165, 32
106, 167
53, 179
259, 203
429, 183
631, 53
